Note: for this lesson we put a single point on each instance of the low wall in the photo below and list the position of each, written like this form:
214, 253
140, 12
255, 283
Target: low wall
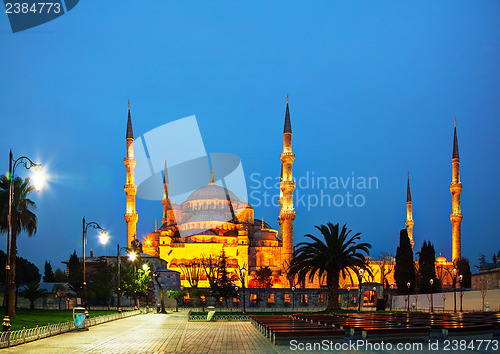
472, 301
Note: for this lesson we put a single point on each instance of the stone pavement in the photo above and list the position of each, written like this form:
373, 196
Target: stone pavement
155, 333
172, 333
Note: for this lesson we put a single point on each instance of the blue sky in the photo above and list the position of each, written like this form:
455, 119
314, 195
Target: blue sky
374, 88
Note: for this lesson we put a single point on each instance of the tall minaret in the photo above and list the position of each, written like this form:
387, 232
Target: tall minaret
409, 214
456, 189
168, 212
130, 188
287, 185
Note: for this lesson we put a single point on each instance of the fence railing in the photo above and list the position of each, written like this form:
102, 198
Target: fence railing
228, 316
24, 335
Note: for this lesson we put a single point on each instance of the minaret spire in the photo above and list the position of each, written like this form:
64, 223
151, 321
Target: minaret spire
130, 188
456, 189
409, 213
287, 186
130, 133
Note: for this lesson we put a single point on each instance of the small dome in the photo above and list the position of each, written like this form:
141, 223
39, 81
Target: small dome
441, 259
212, 191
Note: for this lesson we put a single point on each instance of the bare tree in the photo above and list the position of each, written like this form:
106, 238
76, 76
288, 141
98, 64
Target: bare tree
386, 267
210, 265
192, 272
484, 290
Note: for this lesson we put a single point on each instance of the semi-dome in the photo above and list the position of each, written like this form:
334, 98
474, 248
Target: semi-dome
213, 191
264, 235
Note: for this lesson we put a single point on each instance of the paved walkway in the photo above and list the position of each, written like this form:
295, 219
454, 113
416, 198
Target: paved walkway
155, 333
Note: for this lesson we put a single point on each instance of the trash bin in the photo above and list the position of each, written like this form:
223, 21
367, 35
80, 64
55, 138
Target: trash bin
380, 305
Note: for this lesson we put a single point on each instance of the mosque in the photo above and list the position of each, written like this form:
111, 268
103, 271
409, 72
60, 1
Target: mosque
213, 219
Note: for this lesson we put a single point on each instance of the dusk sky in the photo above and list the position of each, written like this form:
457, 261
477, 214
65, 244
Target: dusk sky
373, 89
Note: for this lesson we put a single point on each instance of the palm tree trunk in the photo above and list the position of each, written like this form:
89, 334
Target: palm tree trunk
12, 289
332, 282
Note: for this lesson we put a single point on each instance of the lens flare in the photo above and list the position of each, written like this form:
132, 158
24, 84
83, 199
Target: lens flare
103, 238
38, 179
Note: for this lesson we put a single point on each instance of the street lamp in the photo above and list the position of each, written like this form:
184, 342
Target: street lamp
243, 274
348, 296
432, 297
38, 180
360, 272
455, 289
293, 297
408, 298
461, 278
103, 236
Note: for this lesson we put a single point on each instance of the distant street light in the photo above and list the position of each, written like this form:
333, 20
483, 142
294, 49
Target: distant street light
102, 236
38, 181
293, 297
243, 274
408, 298
392, 288
461, 278
432, 297
455, 289
360, 272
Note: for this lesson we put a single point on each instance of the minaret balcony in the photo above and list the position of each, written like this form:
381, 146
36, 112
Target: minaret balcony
456, 218
131, 217
456, 188
287, 214
287, 157
284, 185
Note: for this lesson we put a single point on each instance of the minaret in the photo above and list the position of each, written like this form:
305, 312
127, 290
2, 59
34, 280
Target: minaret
409, 215
168, 212
456, 189
130, 188
287, 185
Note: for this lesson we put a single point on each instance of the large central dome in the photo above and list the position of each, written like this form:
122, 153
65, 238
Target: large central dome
213, 191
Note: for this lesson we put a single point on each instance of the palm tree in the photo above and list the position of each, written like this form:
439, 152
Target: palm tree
337, 255
32, 292
23, 219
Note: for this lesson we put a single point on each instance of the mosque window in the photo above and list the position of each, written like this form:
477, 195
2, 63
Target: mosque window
287, 298
321, 298
270, 298
253, 297
303, 298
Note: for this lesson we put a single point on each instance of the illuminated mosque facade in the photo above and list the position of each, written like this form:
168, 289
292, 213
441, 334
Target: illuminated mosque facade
213, 219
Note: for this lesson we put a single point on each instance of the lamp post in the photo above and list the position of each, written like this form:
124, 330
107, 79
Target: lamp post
461, 278
293, 297
432, 297
38, 184
455, 289
102, 236
131, 257
156, 275
392, 288
408, 298
348, 296
238, 294
360, 272
243, 274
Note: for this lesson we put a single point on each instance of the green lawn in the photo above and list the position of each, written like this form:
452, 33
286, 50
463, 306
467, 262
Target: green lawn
30, 318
